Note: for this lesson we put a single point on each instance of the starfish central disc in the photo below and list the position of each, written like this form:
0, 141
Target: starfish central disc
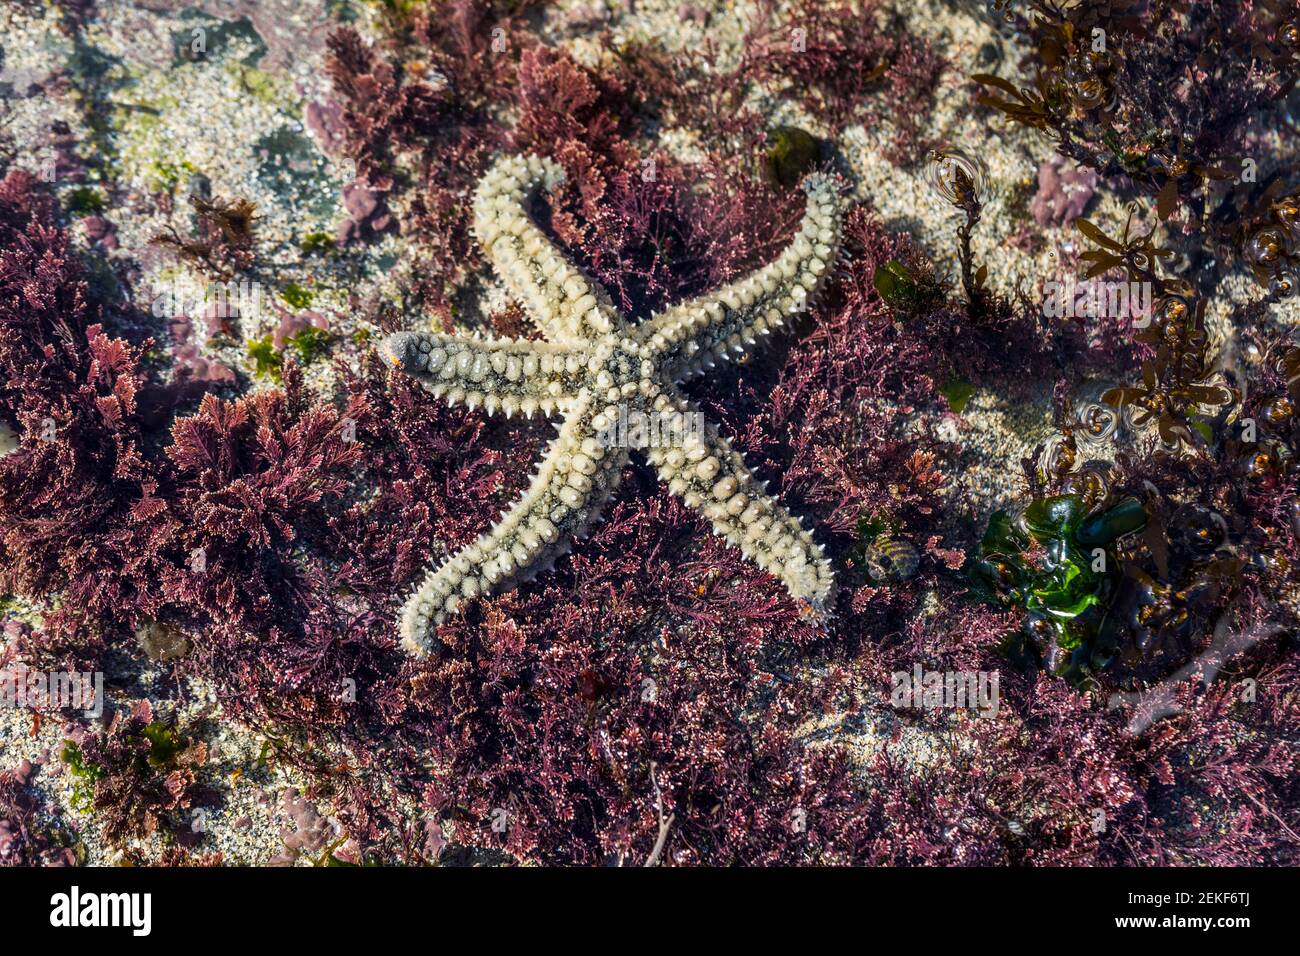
597, 371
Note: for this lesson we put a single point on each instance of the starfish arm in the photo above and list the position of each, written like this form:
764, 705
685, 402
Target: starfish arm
710, 477
565, 302
692, 336
565, 496
509, 375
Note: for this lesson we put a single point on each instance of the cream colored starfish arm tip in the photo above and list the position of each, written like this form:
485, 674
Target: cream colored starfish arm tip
596, 370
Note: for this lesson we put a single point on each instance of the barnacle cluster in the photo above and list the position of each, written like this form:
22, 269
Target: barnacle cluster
595, 366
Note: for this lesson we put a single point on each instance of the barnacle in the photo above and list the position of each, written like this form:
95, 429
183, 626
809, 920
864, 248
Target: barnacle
595, 367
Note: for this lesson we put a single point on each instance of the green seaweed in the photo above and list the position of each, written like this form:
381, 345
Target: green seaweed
317, 244
84, 773
1047, 563
296, 296
402, 9
908, 287
165, 742
1101, 529
84, 201
267, 360
895, 284
1203, 428
958, 392
309, 344
259, 83
166, 176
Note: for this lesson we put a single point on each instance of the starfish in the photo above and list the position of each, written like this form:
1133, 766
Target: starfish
597, 369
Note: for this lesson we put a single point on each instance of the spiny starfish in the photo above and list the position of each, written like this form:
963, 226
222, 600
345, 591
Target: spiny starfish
595, 368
